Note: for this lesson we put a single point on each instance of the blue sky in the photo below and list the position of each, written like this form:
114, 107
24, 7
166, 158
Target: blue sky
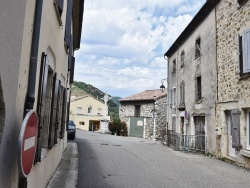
123, 42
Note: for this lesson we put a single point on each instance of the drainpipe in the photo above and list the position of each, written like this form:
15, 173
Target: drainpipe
30, 97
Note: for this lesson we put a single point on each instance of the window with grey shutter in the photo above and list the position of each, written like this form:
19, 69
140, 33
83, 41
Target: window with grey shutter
53, 114
235, 126
246, 51
41, 103
68, 23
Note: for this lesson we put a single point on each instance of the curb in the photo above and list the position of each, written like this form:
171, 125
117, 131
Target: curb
66, 174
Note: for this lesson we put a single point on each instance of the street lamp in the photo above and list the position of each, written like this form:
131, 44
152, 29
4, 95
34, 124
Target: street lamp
162, 87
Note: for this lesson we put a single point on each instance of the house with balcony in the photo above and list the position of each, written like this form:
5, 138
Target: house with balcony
87, 112
144, 113
36, 70
192, 84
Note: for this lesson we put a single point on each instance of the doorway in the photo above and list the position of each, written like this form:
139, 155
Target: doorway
231, 150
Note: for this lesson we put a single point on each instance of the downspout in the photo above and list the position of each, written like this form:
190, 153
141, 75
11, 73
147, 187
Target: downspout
30, 97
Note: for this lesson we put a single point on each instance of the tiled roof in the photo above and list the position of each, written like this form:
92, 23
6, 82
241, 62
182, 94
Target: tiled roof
145, 95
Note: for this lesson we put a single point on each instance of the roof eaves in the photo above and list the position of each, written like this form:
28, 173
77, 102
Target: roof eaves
195, 22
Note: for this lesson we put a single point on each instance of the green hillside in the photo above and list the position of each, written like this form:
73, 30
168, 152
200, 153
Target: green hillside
81, 88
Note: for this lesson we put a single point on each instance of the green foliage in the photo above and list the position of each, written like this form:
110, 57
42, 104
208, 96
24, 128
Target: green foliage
118, 127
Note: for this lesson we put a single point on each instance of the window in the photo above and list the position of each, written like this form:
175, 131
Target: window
197, 48
137, 110
90, 109
2, 112
174, 123
44, 102
235, 128
81, 123
99, 111
182, 59
174, 67
244, 52
79, 110
59, 9
173, 97
182, 93
248, 130
67, 36
198, 88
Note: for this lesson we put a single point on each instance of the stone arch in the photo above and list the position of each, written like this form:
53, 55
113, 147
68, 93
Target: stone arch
2, 112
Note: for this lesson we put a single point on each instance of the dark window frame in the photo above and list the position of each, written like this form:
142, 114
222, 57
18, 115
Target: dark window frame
174, 66
182, 93
244, 51
198, 88
182, 59
67, 35
197, 48
137, 112
59, 10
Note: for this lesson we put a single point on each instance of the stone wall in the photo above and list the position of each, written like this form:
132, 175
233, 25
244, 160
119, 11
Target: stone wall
233, 89
127, 110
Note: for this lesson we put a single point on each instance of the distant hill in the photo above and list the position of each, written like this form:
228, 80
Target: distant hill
81, 88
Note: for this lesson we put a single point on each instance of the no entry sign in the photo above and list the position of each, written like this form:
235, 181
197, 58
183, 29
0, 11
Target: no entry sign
27, 143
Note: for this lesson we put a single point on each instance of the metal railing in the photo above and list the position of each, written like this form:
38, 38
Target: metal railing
189, 143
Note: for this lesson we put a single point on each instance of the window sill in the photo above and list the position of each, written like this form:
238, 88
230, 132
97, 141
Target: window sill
244, 75
198, 101
245, 153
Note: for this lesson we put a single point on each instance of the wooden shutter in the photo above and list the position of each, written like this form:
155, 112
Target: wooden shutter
40, 102
70, 53
235, 128
64, 111
60, 4
72, 70
68, 23
246, 51
58, 114
53, 112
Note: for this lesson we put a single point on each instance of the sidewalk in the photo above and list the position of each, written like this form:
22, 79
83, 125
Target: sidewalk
67, 171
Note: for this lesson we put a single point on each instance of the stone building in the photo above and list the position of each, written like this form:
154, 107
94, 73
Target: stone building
233, 69
138, 112
192, 80
38, 39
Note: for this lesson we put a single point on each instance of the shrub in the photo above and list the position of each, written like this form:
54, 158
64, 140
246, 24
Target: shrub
118, 127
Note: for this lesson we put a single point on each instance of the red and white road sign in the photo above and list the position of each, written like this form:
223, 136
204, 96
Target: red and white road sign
27, 143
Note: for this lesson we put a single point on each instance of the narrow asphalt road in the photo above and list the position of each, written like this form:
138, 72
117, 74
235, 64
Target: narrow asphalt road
113, 161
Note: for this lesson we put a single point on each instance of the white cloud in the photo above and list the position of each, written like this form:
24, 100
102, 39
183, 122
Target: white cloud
123, 42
